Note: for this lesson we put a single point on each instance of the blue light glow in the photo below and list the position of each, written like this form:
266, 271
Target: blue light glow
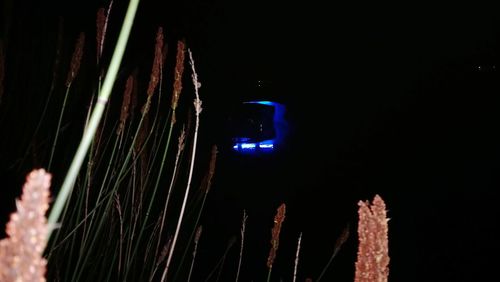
266, 145
242, 144
248, 146
267, 103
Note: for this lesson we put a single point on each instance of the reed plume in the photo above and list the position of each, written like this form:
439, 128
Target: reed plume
155, 71
275, 237
101, 27
157, 63
373, 251
74, 67
163, 255
76, 59
125, 104
100, 31
179, 70
21, 252
211, 169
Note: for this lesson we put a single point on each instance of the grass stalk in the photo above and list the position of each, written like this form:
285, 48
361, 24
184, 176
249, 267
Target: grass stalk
197, 106
172, 180
109, 201
242, 233
196, 241
54, 143
55, 68
220, 263
297, 258
205, 189
161, 259
97, 113
340, 241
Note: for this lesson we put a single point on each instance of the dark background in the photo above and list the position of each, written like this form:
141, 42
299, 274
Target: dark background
399, 100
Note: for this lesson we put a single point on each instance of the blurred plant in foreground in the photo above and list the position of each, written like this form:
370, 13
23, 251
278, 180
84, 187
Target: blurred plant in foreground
21, 252
373, 249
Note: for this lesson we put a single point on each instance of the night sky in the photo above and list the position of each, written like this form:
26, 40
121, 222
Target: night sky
399, 100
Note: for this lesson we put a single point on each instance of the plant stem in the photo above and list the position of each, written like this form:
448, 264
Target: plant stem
297, 258
143, 227
88, 135
197, 104
58, 127
243, 225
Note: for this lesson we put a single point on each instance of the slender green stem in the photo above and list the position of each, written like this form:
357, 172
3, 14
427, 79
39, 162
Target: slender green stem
58, 127
88, 135
340, 241
155, 188
148, 211
220, 264
55, 67
86, 232
84, 259
73, 231
172, 180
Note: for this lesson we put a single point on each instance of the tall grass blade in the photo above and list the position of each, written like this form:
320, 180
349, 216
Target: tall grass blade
95, 118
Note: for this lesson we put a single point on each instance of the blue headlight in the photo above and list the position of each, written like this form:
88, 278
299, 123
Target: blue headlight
264, 146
